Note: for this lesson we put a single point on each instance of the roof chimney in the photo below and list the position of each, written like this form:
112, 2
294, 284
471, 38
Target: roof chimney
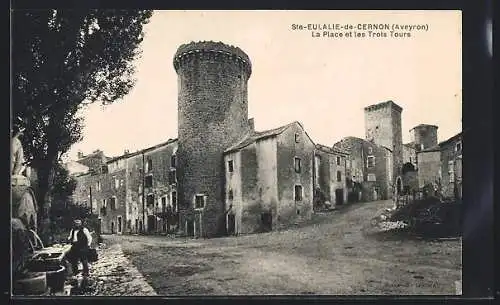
80, 154
251, 124
126, 152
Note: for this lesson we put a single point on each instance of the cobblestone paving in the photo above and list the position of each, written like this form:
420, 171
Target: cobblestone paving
114, 275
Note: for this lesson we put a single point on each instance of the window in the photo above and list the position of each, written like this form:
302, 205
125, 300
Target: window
150, 200
339, 176
230, 195
149, 165
199, 201
230, 166
104, 169
163, 204
117, 183
172, 176
297, 165
174, 201
458, 147
371, 177
148, 181
370, 161
298, 193
121, 182
370, 150
451, 171
104, 203
297, 138
338, 160
98, 186
112, 202
173, 161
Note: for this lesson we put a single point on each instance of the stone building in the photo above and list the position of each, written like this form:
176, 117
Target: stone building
330, 176
442, 164
269, 180
133, 191
370, 167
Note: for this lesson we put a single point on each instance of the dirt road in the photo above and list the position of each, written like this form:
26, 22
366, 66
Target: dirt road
331, 255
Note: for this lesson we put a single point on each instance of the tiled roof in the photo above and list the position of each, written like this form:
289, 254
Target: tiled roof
258, 135
331, 150
110, 160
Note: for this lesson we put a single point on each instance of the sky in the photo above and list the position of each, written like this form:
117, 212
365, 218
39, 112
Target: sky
323, 82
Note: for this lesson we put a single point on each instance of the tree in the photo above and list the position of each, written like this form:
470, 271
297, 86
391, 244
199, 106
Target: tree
63, 59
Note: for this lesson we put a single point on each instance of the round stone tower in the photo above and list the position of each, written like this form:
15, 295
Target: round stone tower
212, 116
424, 136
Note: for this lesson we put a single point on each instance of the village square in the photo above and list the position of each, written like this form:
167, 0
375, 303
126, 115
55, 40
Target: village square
224, 208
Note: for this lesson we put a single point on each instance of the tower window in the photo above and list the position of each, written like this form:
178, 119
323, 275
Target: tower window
339, 176
458, 147
297, 165
297, 138
370, 150
370, 161
230, 166
338, 160
230, 195
173, 161
298, 193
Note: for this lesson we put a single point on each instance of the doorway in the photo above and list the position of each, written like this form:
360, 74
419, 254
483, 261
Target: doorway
190, 227
120, 224
267, 221
151, 223
231, 224
339, 196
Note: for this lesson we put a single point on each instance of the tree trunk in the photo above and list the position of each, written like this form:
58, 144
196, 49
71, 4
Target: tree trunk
44, 203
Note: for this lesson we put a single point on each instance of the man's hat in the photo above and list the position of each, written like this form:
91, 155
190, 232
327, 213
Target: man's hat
18, 124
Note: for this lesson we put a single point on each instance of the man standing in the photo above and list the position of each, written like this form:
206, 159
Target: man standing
81, 240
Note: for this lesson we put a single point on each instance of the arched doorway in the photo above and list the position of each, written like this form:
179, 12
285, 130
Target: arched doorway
399, 185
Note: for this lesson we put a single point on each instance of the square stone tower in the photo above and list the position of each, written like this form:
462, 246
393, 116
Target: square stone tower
383, 127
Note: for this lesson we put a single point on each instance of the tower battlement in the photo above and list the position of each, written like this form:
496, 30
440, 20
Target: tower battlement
211, 50
384, 105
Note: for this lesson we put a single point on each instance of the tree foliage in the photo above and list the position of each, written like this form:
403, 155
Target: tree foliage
63, 59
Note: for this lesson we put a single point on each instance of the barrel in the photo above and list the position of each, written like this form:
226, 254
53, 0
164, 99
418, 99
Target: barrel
23, 203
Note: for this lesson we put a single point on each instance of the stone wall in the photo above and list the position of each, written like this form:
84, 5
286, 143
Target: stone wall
429, 167
289, 209
451, 162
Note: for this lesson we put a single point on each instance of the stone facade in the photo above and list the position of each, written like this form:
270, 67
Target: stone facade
117, 197
383, 127
443, 163
429, 167
269, 180
371, 167
331, 174
451, 166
